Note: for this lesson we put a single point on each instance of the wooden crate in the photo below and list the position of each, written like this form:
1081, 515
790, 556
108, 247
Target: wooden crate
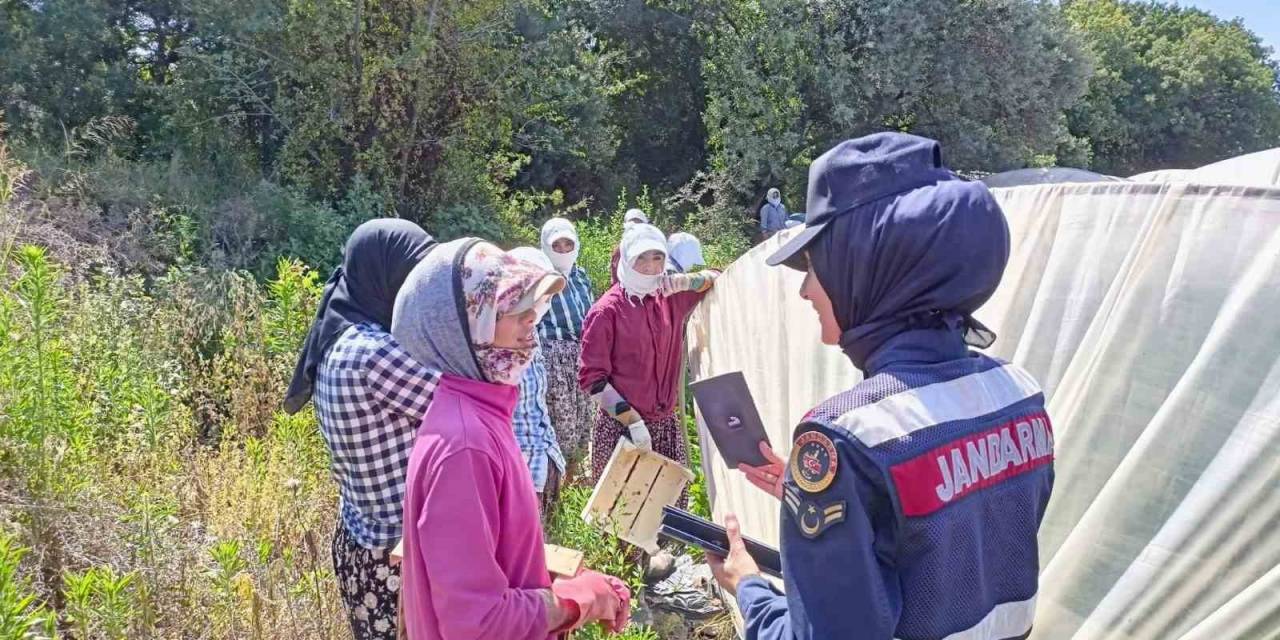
635, 486
562, 561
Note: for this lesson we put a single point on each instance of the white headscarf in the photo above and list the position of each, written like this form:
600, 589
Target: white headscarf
684, 251
634, 217
774, 196
636, 241
560, 229
533, 257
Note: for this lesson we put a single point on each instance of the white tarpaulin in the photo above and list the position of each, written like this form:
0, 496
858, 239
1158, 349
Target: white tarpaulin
1045, 175
1261, 169
1151, 314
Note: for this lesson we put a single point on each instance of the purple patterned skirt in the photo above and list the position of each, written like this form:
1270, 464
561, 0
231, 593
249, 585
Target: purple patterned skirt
572, 409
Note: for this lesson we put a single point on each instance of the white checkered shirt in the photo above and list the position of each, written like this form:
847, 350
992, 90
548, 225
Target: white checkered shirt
370, 398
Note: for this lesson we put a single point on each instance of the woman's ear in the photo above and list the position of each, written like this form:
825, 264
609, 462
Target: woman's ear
811, 290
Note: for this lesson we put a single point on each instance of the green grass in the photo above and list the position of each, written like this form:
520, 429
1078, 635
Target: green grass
150, 487
603, 553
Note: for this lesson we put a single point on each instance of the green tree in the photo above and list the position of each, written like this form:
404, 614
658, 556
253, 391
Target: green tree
428, 107
65, 63
786, 80
662, 140
68, 62
1175, 87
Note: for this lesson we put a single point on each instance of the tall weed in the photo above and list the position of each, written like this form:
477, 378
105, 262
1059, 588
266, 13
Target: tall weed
44, 421
122, 493
100, 603
22, 615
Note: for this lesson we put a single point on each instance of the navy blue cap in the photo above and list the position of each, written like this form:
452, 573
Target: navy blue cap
857, 172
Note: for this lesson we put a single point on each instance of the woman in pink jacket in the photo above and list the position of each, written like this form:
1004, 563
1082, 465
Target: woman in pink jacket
473, 558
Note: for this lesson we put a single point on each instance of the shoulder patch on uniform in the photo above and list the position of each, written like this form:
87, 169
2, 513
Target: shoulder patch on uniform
811, 518
814, 461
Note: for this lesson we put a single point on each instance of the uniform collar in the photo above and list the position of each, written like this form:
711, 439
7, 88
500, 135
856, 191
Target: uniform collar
916, 347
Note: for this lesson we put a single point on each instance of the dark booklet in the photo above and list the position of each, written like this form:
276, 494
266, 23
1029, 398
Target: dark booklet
682, 526
730, 415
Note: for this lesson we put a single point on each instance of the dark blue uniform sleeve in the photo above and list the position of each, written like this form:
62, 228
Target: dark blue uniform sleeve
764, 609
837, 559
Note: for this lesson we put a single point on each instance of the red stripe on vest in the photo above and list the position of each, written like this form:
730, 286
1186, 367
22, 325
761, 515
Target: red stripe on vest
929, 482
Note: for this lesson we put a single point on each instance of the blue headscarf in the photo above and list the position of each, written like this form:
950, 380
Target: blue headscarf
905, 271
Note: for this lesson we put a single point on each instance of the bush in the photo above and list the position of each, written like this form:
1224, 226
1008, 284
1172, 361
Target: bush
13, 172
22, 615
269, 222
466, 220
598, 237
141, 434
155, 475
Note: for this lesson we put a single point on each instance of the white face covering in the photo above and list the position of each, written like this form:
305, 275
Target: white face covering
632, 218
563, 262
556, 229
684, 251
636, 241
774, 196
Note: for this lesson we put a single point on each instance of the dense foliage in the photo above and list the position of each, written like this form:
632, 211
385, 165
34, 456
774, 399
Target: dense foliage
176, 176
1175, 87
270, 127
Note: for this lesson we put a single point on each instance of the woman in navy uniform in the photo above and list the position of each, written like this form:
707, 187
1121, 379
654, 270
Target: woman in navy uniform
910, 502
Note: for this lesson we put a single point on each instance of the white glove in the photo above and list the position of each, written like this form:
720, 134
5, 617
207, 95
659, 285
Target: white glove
640, 435
678, 282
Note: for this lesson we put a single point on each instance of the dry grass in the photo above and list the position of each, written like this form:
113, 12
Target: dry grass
145, 467
149, 485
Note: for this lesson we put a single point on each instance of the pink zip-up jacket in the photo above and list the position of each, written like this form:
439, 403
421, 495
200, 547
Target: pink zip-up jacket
473, 557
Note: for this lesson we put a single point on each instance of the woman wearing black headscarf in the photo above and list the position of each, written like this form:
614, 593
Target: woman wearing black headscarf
370, 397
911, 501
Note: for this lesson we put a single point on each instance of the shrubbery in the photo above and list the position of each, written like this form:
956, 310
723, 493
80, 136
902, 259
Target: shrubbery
146, 465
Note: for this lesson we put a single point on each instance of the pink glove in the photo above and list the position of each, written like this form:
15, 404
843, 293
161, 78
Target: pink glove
599, 597
624, 610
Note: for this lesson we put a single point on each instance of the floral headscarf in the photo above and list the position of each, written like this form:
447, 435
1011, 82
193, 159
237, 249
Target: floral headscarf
495, 284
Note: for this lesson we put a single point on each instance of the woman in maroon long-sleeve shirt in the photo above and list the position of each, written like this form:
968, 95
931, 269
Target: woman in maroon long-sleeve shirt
632, 342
